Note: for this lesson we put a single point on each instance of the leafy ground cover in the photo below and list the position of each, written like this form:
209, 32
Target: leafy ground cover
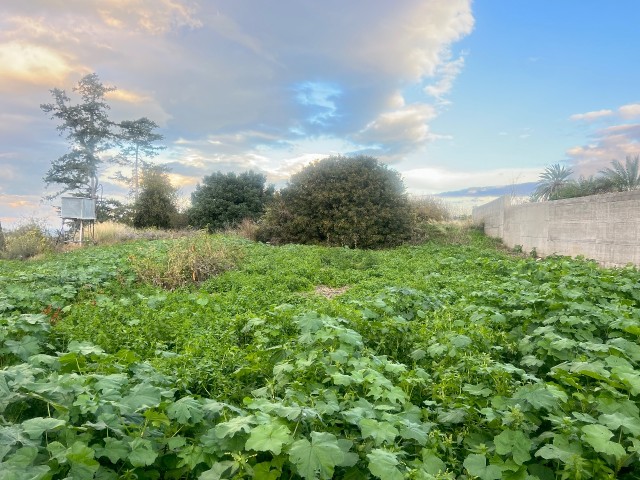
428, 362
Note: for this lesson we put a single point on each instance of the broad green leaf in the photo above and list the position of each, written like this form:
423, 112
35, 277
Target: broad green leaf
23, 457
381, 432
383, 464
270, 437
114, 449
233, 426
142, 453
263, 471
83, 465
318, 457
35, 427
562, 449
479, 390
431, 463
456, 415
476, 464
538, 396
616, 420
186, 410
219, 469
514, 443
598, 437
414, 431
140, 397
23, 348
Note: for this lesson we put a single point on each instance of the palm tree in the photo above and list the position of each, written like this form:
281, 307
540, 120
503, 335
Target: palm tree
551, 181
625, 177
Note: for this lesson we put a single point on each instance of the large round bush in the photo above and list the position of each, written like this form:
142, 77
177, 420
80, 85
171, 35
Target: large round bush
342, 201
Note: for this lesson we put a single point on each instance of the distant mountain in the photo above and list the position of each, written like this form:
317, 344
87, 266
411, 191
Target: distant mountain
518, 189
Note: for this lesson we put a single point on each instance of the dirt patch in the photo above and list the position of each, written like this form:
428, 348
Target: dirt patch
330, 292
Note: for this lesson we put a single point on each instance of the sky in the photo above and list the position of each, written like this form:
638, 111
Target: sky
454, 94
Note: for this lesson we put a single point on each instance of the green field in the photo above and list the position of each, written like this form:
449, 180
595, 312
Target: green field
440, 361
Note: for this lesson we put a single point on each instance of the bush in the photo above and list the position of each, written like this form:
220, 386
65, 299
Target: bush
188, 260
356, 202
225, 200
27, 241
156, 205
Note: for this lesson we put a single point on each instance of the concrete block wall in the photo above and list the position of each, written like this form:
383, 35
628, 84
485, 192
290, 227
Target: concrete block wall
605, 228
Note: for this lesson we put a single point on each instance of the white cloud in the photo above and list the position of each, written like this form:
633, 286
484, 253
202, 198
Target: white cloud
614, 142
448, 72
592, 116
439, 179
223, 78
631, 110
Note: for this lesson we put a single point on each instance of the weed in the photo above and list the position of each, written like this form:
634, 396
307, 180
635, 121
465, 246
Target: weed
188, 260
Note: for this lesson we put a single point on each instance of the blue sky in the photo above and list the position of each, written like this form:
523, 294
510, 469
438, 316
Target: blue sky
452, 93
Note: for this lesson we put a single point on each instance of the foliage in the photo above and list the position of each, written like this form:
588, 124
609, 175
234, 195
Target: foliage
226, 199
136, 140
341, 201
555, 185
439, 362
26, 241
189, 260
583, 187
156, 206
551, 181
89, 132
112, 210
429, 208
625, 177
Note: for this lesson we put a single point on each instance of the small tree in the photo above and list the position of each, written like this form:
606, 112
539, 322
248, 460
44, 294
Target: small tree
112, 210
136, 140
551, 181
89, 132
225, 199
343, 201
156, 205
625, 177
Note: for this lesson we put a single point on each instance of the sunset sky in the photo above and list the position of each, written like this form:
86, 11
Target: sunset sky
452, 93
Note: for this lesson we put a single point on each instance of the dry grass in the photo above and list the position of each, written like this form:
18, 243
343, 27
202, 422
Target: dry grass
246, 229
188, 260
107, 233
330, 292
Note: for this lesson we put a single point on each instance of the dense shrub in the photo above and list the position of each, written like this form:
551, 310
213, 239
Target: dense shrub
356, 202
26, 241
225, 199
156, 205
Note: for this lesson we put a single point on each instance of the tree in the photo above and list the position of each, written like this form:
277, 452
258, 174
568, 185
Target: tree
136, 140
625, 177
551, 181
89, 132
225, 199
156, 205
342, 201
112, 210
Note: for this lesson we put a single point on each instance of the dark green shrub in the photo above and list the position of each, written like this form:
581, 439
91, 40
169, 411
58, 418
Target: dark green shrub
224, 200
156, 205
356, 202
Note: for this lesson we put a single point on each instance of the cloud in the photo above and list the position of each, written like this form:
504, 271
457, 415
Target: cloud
448, 72
398, 130
33, 64
592, 116
631, 110
234, 85
437, 179
614, 142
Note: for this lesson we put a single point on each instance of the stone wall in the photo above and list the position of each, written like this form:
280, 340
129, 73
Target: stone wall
605, 227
